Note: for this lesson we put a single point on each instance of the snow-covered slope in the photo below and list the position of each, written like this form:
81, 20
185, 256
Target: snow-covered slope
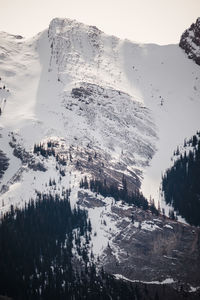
74, 82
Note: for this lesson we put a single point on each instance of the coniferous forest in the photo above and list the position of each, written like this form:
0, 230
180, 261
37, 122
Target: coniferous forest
181, 183
37, 259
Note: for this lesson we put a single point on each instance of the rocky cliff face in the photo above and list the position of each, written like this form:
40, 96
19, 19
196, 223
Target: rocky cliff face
190, 41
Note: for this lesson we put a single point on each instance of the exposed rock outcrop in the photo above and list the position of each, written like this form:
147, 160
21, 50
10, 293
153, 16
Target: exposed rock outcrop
190, 41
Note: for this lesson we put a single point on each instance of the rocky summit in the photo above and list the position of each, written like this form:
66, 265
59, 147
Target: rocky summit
190, 41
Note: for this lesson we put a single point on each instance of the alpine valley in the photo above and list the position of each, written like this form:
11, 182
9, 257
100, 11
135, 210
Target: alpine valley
91, 200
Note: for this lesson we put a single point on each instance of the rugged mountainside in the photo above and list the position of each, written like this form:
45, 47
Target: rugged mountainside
190, 41
41, 76
77, 104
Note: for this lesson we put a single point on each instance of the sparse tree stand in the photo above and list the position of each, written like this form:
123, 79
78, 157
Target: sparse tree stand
135, 198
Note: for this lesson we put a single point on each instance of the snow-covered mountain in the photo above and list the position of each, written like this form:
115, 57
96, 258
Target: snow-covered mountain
108, 108
123, 99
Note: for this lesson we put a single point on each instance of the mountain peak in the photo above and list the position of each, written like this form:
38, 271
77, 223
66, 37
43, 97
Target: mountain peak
65, 24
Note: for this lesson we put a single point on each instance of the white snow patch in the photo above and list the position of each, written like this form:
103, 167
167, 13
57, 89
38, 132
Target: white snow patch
166, 281
103, 226
168, 226
148, 225
194, 289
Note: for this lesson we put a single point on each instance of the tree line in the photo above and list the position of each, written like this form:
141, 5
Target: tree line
134, 198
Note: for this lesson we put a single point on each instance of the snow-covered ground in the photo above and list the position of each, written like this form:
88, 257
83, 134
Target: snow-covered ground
175, 102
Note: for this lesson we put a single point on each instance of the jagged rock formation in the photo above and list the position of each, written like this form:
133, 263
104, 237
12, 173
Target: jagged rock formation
190, 41
3, 163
